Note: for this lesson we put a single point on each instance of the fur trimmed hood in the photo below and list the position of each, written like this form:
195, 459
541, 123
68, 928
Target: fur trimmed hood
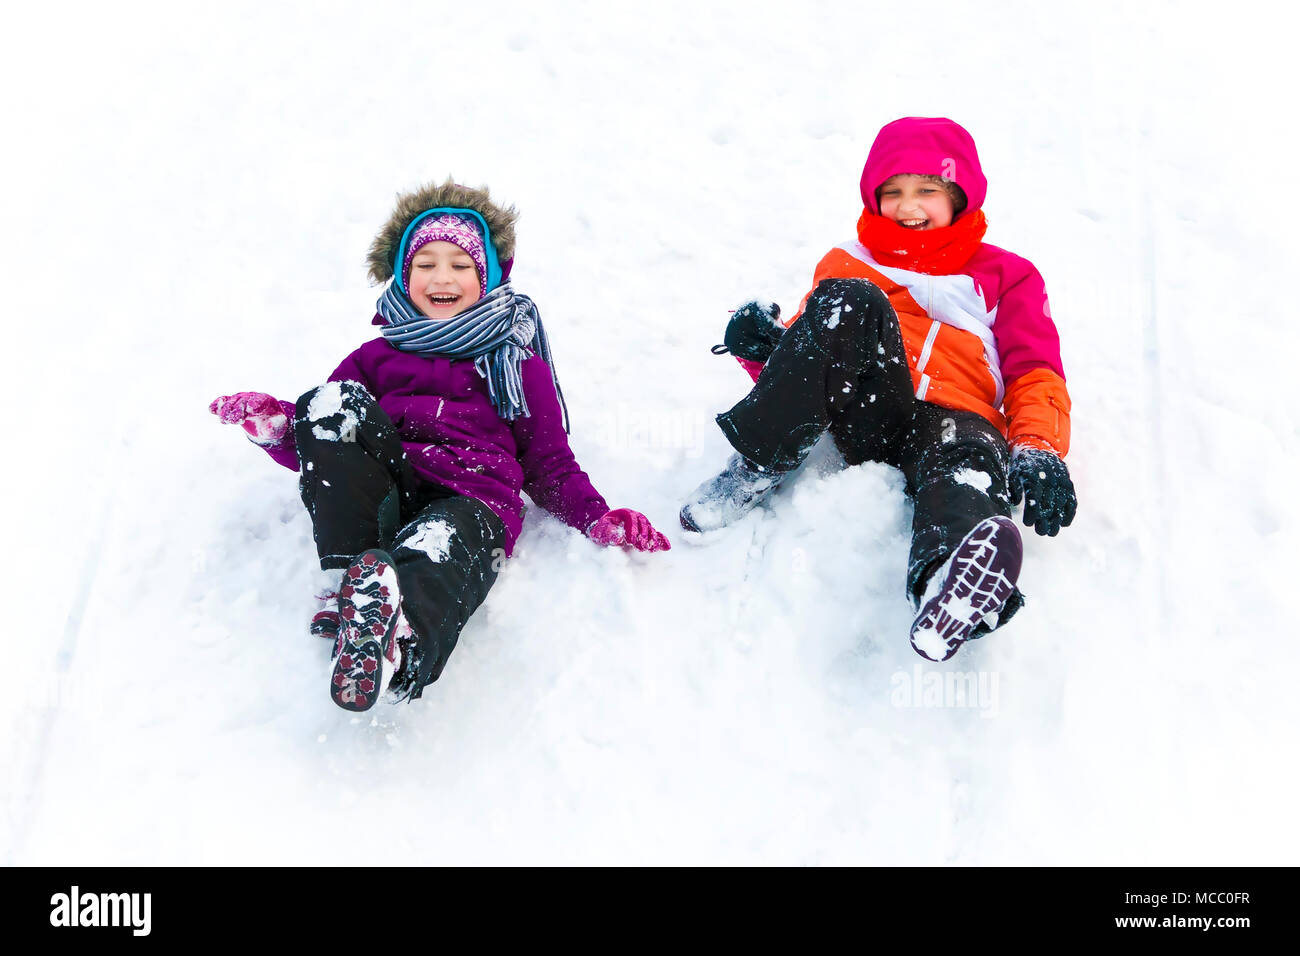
500, 223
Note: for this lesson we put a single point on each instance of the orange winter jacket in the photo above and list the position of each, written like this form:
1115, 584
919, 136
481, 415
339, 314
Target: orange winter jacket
980, 336
980, 340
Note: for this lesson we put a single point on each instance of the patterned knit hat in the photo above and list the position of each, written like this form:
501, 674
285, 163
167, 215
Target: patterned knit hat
458, 230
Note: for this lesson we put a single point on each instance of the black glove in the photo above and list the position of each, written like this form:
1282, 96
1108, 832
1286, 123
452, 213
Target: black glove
1042, 479
754, 331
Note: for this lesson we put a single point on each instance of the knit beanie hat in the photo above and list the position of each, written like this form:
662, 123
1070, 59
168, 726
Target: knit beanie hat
458, 230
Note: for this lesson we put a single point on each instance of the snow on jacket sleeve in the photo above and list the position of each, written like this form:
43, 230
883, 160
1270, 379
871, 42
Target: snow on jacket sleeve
1036, 402
552, 477
285, 452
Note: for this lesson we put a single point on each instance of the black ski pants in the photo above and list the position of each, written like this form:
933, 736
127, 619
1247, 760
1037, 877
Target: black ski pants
842, 368
362, 492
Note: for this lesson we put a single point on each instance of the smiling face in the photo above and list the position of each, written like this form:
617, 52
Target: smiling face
443, 280
916, 202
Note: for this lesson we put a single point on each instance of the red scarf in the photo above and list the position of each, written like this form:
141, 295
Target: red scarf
935, 252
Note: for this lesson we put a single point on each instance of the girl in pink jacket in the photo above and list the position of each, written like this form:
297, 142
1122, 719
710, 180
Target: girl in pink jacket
924, 347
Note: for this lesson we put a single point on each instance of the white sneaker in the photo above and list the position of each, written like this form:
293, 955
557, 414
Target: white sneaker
729, 495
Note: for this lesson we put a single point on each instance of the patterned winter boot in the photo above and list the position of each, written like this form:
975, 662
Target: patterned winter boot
325, 588
729, 495
973, 584
366, 651
325, 622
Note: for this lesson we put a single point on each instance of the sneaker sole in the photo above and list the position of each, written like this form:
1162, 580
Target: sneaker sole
368, 610
981, 574
326, 623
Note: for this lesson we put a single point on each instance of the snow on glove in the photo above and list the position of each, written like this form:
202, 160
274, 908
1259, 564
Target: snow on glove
627, 527
754, 331
261, 415
1042, 479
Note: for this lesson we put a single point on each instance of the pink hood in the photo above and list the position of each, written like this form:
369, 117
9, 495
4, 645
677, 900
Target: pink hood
927, 146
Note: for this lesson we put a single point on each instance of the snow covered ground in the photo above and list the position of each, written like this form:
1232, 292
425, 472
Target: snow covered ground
190, 192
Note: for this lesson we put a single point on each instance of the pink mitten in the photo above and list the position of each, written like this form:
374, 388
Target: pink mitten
260, 414
627, 527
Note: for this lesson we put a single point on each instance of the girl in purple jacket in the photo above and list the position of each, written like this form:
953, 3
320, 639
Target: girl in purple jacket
414, 454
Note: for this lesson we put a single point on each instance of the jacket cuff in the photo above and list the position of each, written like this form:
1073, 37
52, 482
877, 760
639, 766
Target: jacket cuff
590, 515
285, 451
1034, 442
751, 366
1037, 407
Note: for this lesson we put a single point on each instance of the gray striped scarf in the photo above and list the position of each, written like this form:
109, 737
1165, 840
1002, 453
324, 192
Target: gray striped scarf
494, 333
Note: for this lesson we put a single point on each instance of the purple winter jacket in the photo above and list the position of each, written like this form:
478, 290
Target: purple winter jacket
453, 436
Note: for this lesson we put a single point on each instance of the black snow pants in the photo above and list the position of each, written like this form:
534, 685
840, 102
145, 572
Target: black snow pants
362, 493
842, 368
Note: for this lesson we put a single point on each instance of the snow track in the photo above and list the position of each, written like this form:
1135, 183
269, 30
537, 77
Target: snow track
33, 749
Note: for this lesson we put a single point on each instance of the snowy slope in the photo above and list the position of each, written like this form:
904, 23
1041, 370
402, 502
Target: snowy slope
191, 193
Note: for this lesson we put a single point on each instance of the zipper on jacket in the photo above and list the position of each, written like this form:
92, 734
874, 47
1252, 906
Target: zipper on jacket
924, 358
933, 334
